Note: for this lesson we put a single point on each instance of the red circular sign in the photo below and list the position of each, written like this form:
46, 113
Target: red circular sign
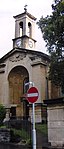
32, 94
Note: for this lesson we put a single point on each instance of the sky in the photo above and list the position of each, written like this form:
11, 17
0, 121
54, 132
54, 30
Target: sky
10, 8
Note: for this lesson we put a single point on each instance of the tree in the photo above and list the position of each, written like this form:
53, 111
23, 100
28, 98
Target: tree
52, 28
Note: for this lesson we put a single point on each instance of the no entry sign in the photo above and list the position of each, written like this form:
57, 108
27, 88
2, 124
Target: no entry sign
32, 94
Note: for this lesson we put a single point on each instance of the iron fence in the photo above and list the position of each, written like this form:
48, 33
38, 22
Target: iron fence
25, 125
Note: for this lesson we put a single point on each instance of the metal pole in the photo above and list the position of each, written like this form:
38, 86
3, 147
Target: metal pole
34, 131
33, 116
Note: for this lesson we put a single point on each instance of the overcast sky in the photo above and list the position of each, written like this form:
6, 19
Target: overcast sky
10, 8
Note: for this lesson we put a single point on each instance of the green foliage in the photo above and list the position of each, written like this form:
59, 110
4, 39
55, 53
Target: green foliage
22, 133
2, 113
25, 138
52, 28
56, 70
42, 128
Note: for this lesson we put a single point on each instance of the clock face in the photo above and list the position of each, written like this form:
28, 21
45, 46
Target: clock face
18, 42
30, 44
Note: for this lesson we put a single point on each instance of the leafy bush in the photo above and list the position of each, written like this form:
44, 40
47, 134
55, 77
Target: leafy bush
20, 135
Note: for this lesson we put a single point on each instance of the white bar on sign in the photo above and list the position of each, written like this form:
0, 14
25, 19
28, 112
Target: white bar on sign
32, 95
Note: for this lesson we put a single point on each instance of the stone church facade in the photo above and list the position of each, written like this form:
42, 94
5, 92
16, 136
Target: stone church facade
21, 65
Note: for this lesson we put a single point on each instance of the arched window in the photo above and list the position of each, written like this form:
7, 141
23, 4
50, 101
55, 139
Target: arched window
21, 28
29, 29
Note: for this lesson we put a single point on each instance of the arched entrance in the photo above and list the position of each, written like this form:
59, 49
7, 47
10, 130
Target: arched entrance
17, 78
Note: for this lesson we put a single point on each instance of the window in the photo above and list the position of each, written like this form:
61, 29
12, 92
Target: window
21, 29
29, 29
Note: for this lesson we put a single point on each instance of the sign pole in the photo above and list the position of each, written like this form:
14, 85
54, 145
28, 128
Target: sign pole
34, 130
32, 96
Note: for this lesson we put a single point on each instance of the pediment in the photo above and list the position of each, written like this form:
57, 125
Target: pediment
17, 57
13, 55
18, 54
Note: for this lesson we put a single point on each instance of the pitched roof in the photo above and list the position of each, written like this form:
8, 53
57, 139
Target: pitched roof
23, 14
21, 50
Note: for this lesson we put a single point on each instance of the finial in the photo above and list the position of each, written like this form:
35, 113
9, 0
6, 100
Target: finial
25, 8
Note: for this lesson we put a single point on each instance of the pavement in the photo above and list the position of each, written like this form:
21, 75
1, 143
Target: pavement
41, 140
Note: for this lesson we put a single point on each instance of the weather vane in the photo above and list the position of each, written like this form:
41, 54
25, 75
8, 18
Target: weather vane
25, 8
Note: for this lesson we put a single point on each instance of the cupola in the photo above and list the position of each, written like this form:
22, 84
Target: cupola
24, 30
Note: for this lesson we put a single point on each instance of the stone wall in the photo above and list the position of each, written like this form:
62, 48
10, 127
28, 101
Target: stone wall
56, 125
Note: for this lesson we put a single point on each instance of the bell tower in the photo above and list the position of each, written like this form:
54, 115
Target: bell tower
24, 30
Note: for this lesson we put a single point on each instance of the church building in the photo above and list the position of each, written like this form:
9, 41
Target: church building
21, 65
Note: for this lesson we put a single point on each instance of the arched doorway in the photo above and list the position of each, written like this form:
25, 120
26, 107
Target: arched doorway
17, 78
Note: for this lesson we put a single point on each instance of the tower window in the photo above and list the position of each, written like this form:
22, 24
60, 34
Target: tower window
29, 29
21, 28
